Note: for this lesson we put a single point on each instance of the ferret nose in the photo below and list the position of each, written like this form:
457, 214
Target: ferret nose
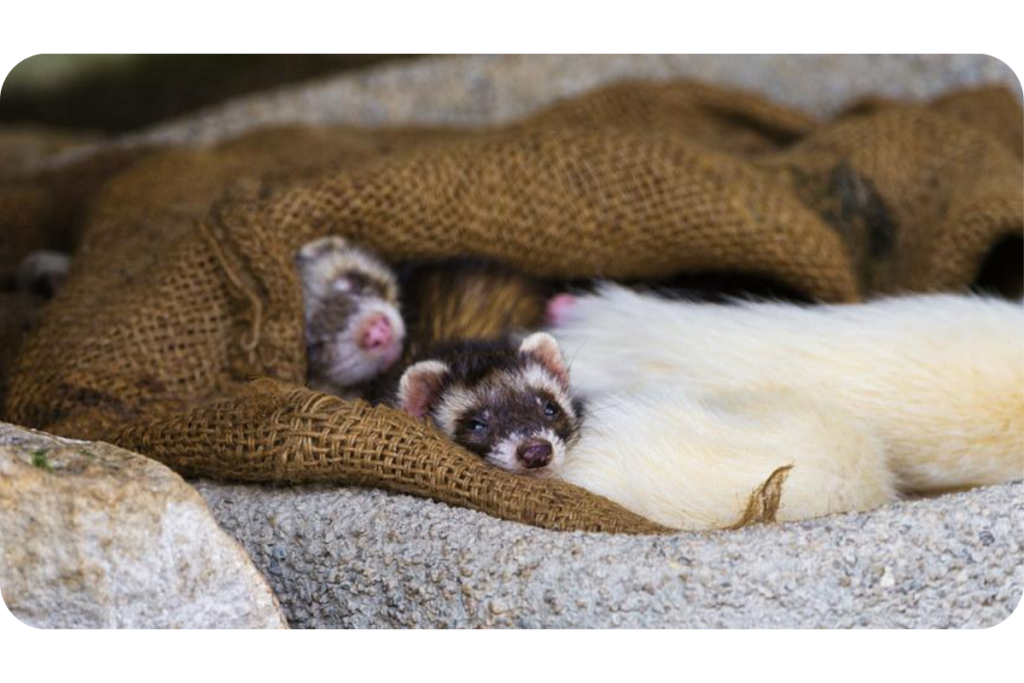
534, 454
377, 333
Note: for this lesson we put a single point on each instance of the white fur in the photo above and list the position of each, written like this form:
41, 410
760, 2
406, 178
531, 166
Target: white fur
42, 264
353, 364
537, 378
692, 463
544, 348
938, 379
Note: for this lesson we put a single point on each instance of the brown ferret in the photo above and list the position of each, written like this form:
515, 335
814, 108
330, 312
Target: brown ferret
469, 299
477, 299
354, 330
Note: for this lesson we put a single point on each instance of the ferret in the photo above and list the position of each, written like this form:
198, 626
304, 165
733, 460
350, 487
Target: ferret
695, 461
353, 328
507, 402
468, 299
481, 299
937, 379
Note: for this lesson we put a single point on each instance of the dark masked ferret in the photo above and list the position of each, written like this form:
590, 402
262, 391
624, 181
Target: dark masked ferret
508, 403
354, 330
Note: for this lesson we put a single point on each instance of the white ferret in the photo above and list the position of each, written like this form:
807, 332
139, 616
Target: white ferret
916, 394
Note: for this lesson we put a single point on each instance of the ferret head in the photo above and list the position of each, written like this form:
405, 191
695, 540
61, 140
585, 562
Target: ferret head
509, 404
353, 328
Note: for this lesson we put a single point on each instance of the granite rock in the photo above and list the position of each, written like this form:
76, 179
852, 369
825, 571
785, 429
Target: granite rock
93, 536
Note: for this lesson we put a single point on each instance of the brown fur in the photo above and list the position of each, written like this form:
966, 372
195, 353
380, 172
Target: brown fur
467, 299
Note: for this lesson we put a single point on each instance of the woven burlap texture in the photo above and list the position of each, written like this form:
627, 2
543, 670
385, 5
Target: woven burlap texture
183, 288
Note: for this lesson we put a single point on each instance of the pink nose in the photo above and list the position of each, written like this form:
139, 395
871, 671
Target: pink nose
377, 333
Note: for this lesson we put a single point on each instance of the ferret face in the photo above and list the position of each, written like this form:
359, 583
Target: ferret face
509, 405
353, 328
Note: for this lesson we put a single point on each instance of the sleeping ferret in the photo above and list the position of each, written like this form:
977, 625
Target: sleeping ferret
468, 299
696, 462
353, 327
916, 394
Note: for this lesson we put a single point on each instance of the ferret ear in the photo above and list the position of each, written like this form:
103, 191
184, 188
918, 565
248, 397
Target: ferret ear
544, 349
421, 386
318, 247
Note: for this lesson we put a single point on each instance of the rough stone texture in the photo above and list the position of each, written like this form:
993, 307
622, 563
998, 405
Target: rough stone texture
475, 90
92, 536
351, 558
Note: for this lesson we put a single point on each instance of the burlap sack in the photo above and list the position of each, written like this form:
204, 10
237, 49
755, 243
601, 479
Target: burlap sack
172, 308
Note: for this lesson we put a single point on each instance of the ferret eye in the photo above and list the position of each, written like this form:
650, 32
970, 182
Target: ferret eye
477, 426
550, 409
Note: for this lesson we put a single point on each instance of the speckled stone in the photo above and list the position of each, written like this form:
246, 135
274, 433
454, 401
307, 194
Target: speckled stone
93, 536
357, 558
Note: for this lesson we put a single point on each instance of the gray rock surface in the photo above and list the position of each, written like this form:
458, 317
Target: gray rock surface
483, 89
354, 558
92, 536
475, 90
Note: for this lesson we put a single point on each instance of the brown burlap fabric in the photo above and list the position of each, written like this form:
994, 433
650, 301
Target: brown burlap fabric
183, 287
18, 312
